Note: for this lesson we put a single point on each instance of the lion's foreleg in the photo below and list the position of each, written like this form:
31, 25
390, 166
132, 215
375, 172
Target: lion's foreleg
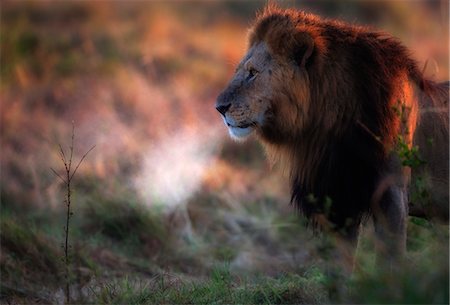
338, 246
340, 265
389, 214
346, 248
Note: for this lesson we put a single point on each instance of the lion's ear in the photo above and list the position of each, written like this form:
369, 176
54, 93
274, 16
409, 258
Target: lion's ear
304, 48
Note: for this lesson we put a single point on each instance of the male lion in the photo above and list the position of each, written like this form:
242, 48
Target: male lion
342, 108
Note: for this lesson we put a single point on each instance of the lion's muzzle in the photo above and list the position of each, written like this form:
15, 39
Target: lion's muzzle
223, 102
223, 109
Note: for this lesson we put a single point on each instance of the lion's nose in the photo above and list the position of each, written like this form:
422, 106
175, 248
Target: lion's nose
223, 108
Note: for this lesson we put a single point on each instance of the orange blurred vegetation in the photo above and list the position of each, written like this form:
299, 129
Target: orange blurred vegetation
128, 74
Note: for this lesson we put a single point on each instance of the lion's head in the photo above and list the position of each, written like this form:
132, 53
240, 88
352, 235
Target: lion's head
269, 93
246, 104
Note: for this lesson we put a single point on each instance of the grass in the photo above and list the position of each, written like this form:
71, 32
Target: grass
31, 250
129, 256
126, 223
30, 257
220, 288
421, 279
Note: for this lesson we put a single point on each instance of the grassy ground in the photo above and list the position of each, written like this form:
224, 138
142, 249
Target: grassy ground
124, 254
167, 210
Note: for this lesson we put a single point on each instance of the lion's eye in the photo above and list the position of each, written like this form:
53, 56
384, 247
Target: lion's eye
251, 73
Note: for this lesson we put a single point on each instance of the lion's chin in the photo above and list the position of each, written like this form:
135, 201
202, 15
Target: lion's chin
239, 133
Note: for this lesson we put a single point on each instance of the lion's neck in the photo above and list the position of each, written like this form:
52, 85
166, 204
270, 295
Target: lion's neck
298, 159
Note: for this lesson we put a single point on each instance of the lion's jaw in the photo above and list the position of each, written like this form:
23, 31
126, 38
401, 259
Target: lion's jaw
238, 131
246, 102
242, 122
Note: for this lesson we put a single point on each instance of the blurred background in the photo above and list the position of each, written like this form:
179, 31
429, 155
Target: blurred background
166, 208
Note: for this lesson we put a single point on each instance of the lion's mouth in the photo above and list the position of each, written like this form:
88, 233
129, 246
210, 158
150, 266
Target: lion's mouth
241, 131
243, 126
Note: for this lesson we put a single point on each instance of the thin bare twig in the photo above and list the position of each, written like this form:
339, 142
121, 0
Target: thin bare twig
63, 180
81, 160
63, 156
71, 145
370, 132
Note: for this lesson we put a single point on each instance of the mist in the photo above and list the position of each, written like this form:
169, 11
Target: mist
172, 168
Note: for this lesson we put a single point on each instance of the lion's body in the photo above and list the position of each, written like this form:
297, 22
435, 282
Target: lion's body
331, 101
432, 139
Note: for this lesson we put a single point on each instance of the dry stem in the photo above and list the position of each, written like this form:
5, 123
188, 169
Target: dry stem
67, 181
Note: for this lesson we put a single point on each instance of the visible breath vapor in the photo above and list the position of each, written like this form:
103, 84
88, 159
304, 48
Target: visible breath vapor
173, 168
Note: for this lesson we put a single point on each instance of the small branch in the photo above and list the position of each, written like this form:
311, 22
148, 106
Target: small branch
363, 126
81, 160
58, 175
63, 156
71, 145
